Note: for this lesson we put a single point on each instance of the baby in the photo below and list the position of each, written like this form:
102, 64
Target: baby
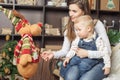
87, 39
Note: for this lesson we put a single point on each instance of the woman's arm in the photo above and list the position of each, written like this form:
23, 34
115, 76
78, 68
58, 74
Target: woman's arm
74, 46
100, 29
103, 49
47, 55
90, 53
65, 48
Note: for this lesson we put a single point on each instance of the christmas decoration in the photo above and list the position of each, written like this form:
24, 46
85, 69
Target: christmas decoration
6, 60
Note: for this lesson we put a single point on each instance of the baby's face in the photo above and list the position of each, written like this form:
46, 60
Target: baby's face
81, 29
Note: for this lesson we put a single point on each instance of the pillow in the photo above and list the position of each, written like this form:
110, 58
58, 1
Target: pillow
113, 77
115, 59
115, 64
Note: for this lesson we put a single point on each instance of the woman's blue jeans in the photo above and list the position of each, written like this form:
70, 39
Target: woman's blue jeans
84, 65
96, 73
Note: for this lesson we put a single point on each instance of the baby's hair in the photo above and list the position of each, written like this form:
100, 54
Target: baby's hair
86, 20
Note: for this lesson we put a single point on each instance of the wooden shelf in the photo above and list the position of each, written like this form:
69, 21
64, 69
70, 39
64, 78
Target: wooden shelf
56, 8
52, 15
28, 7
6, 5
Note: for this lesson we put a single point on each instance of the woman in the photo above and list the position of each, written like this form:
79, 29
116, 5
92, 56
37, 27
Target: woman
76, 9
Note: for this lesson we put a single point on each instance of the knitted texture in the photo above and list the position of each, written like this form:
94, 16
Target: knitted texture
26, 46
10, 15
16, 21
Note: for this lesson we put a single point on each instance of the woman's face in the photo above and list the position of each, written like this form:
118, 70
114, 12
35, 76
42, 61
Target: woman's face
75, 12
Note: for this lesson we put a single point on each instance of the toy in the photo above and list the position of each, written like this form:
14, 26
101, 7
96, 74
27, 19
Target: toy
14, 16
26, 54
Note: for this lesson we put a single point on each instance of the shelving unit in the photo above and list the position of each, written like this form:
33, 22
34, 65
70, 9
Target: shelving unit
52, 15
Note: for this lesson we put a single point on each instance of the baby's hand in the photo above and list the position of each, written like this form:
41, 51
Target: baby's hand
66, 61
106, 70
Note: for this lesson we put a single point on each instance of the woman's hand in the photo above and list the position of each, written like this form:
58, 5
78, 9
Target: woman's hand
106, 70
82, 53
47, 55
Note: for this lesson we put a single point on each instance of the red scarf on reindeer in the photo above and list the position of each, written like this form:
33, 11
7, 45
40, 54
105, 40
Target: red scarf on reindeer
26, 46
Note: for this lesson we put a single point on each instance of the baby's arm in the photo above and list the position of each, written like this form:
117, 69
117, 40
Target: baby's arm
66, 61
71, 52
74, 47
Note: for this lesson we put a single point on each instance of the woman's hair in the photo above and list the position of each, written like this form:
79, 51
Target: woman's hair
84, 6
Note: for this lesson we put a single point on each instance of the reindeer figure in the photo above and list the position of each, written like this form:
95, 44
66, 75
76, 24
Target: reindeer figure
26, 53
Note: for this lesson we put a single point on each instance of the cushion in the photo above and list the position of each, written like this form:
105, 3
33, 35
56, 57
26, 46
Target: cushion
115, 62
